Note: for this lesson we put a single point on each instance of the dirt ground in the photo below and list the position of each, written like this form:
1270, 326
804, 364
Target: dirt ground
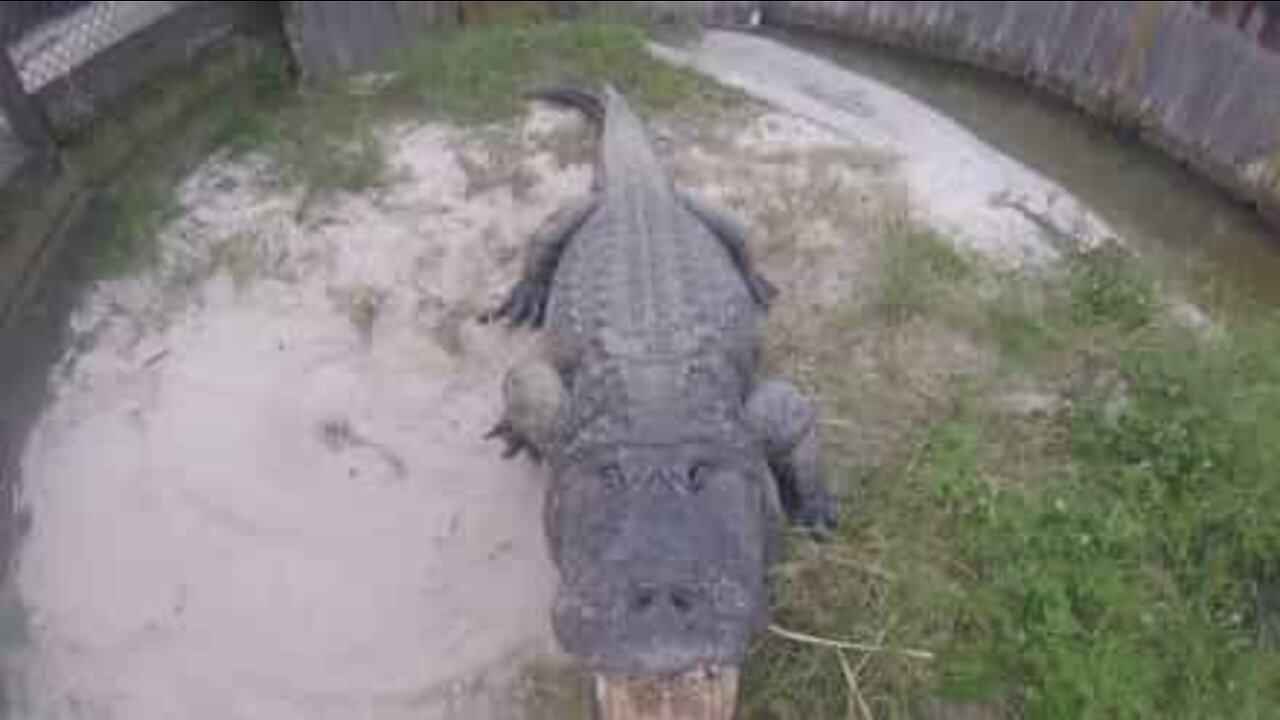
261, 489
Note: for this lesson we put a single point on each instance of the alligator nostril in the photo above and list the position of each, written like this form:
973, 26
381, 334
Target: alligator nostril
613, 478
682, 600
696, 479
642, 600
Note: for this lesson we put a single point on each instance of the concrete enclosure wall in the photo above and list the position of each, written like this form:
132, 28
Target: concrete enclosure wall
1201, 89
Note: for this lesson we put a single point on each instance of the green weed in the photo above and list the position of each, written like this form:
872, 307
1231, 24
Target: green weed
479, 75
1110, 286
139, 157
919, 270
1117, 559
1128, 588
322, 140
133, 213
325, 138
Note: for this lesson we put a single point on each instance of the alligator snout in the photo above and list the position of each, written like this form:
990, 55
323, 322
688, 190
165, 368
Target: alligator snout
675, 599
664, 573
652, 627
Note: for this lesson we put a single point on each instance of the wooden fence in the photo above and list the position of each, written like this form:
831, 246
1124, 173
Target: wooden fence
332, 38
66, 62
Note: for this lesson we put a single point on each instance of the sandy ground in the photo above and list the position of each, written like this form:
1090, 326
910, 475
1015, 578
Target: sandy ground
260, 491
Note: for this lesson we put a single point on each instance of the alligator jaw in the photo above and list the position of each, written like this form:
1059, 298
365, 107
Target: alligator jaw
704, 694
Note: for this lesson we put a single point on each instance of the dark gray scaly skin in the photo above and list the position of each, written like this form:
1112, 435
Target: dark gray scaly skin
670, 457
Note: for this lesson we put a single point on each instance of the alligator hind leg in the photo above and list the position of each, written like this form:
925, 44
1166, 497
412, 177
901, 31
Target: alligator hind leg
532, 396
787, 423
733, 235
526, 303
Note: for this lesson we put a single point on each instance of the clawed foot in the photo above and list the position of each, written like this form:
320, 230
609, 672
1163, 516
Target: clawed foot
819, 516
764, 292
525, 305
516, 443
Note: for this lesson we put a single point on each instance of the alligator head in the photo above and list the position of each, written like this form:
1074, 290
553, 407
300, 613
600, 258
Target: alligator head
663, 556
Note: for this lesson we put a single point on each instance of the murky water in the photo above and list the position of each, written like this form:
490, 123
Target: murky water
1219, 249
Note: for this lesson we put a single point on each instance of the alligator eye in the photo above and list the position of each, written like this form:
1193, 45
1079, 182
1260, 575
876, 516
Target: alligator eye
613, 478
682, 601
697, 477
643, 599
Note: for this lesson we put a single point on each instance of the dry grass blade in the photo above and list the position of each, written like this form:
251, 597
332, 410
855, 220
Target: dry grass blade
858, 707
868, 569
805, 639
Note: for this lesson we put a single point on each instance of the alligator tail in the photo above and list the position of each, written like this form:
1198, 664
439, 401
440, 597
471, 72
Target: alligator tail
587, 102
626, 155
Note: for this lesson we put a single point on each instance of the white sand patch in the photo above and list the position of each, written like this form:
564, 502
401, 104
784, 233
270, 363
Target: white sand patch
958, 184
245, 507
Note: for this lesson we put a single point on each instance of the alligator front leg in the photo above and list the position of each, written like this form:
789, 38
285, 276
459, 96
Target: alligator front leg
732, 234
526, 303
532, 396
787, 423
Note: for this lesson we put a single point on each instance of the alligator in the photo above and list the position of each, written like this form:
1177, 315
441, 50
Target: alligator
671, 458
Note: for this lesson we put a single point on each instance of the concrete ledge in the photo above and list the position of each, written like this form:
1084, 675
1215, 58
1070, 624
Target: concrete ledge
1203, 91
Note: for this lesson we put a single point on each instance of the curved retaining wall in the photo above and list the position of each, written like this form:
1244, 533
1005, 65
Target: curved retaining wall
1205, 91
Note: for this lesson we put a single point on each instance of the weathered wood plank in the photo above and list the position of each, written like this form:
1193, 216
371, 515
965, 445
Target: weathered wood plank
731, 13
339, 38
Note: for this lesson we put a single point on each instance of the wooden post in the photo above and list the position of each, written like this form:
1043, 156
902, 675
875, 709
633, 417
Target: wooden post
25, 113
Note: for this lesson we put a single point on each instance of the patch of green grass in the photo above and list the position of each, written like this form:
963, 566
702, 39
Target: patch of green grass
853, 589
178, 114
132, 214
1109, 285
920, 269
138, 157
1095, 301
479, 75
1114, 559
323, 140
1021, 329
1128, 587
326, 138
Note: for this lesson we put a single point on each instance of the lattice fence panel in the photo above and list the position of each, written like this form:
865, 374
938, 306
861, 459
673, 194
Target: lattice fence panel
59, 47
